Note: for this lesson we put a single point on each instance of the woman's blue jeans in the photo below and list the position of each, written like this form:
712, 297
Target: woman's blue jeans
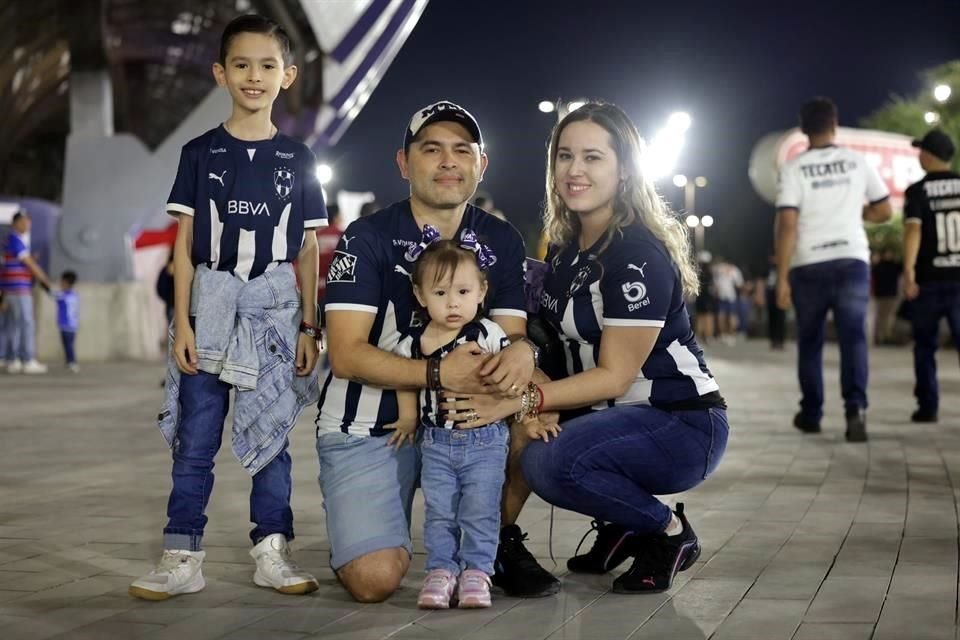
610, 464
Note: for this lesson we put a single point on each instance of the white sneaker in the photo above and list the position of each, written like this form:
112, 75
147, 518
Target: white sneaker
178, 572
14, 366
73, 367
276, 569
32, 367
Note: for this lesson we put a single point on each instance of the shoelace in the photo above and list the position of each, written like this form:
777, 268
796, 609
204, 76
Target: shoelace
280, 560
173, 560
519, 554
595, 525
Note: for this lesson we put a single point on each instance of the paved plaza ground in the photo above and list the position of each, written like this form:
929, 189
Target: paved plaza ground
804, 537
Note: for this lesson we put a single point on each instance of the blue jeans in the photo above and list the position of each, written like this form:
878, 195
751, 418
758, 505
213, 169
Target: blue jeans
842, 286
610, 464
68, 338
19, 327
204, 401
462, 482
936, 300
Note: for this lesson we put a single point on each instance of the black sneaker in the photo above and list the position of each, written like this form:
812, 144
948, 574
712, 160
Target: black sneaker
609, 550
856, 426
806, 424
658, 559
923, 416
517, 572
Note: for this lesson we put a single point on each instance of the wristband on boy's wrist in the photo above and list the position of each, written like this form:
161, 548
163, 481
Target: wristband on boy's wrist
310, 330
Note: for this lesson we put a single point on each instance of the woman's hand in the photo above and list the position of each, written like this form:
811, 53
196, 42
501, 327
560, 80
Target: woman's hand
471, 411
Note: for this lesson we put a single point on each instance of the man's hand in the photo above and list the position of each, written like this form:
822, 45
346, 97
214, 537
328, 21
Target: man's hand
403, 431
460, 369
185, 348
783, 294
510, 370
910, 287
307, 354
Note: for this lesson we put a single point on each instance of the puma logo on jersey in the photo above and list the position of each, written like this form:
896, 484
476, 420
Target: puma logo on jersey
636, 268
399, 269
218, 178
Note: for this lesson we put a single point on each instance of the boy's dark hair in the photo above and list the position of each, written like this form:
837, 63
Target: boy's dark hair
446, 256
819, 115
19, 214
255, 23
70, 277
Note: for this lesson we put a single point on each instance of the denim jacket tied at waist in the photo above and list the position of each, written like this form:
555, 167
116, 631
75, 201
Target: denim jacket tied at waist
246, 333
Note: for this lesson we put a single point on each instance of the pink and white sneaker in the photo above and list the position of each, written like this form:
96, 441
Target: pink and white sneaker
474, 590
437, 590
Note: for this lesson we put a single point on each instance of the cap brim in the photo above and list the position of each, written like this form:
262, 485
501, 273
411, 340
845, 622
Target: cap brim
916, 143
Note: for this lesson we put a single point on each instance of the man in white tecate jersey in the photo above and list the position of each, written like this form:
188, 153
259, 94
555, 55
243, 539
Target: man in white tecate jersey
823, 261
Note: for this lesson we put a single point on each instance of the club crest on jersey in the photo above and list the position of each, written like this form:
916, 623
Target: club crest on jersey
343, 268
283, 182
579, 280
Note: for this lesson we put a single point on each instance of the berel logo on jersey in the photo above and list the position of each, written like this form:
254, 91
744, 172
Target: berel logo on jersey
635, 293
219, 150
283, 182
343, 268
285, 156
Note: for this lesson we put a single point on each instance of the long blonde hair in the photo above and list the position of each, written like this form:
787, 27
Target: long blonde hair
637, 200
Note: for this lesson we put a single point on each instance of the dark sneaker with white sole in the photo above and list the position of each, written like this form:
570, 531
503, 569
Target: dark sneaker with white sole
658, 559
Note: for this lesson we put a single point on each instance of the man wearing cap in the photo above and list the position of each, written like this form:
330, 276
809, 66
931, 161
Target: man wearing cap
823, 261
931, 263
367, 485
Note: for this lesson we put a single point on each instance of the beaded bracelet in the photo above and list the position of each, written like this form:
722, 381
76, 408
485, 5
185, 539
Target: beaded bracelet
433, 373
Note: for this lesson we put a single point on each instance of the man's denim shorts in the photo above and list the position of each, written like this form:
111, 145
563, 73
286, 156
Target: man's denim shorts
367, 494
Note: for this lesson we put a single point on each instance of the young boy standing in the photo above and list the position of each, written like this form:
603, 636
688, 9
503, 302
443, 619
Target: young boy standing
244, 194
68, 317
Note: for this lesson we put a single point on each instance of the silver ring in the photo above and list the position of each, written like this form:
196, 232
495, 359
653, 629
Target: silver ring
472, 416
514, 388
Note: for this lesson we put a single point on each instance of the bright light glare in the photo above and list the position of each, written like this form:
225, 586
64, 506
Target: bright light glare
701, 182
942, 92
930, 117
576, 104
324, 173
679, 121
680, 180
692, 221
546, 106
707, 221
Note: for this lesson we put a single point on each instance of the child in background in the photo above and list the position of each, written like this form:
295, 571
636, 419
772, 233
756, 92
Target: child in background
68, 317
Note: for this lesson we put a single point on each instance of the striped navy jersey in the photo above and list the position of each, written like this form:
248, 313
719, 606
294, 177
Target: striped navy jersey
487, 334
631, 283
371, 274
250, 201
